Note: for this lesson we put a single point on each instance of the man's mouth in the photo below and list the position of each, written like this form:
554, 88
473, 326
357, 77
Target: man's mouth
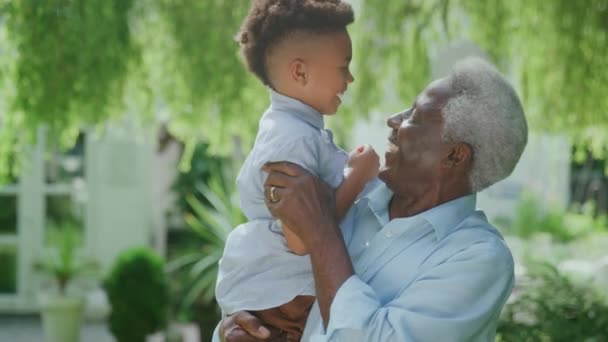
392, 146
340, 96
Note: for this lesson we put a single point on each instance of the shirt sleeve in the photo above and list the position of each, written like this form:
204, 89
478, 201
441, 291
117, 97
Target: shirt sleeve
303, 151
457, 300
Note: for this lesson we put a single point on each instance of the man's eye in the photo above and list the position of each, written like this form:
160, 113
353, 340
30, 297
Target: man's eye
409, 114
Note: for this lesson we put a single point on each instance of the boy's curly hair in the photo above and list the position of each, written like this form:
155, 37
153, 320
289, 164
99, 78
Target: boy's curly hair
269, 21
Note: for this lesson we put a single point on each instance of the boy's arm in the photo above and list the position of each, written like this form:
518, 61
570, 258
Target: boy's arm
347, 192
363, 165
294, 243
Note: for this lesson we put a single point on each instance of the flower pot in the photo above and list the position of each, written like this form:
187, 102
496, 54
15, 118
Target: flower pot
61, 317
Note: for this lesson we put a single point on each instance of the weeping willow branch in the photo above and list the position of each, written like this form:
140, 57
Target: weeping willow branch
555, 50
73, 63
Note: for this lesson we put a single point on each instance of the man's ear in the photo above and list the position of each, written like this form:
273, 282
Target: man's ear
298, 71
458, 155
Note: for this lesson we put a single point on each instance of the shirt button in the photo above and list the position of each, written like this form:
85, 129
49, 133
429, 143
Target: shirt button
366, 244
389, 234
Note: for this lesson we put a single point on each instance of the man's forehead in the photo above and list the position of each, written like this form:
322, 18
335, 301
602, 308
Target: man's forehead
435, 95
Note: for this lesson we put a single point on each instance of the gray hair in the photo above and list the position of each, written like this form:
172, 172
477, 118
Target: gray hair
486, 114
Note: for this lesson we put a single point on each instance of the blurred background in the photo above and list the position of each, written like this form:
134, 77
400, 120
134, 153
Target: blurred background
123, 124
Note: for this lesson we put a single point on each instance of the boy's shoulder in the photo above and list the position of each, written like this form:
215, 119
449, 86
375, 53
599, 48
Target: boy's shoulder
281, 125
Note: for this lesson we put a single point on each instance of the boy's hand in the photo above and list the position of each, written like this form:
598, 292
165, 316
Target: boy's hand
364, 162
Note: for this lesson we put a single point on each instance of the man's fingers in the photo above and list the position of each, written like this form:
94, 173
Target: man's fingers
277, 179
287, 168
238, 334
251, 325
273, 194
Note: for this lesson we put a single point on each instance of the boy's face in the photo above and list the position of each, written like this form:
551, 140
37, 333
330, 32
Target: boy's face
328, 74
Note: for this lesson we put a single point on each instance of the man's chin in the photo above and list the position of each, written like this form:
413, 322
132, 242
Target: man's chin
383, 173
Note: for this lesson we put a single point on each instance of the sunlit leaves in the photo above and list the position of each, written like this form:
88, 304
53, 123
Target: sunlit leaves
555, 51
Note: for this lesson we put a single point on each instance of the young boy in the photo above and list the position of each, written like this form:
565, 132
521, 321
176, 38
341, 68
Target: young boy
301, 50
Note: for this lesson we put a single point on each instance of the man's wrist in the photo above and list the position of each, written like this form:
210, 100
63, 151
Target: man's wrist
331, 268
321, 232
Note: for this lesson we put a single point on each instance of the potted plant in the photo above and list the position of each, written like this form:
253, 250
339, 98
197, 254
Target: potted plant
61, 307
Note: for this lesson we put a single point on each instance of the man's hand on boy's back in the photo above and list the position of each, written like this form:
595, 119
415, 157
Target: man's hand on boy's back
364, 162
243, 327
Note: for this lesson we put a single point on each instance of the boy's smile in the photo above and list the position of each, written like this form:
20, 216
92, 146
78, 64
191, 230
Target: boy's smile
328, 72
313, 68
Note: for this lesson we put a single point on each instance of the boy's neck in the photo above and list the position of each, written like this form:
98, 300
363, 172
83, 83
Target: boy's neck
285, 91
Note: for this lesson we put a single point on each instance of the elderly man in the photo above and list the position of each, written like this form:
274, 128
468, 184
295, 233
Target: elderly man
413, 260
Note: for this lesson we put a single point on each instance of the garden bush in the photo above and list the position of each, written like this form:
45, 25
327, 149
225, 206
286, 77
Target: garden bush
138, 292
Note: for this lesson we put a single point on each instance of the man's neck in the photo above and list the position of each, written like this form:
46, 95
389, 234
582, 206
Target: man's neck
406, 205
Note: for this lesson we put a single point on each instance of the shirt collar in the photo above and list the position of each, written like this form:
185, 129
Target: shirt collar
443, 218
296, 108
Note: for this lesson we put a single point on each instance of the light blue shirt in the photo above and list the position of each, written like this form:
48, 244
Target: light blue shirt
441, 275
256, 257
288, 131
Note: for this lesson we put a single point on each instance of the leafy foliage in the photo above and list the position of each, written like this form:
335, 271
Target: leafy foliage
213, 211
138, 292
556, 58
563, 226
202, 167
78, 62
551, 308
204, 83
71, 59
197, 268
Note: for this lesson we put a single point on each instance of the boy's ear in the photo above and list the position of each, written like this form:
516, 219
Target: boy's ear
298, 71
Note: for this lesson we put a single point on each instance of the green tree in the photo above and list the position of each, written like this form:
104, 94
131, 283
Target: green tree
74, 63
556, 51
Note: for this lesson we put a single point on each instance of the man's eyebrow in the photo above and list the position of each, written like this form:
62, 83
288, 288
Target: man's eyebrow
408, 112
349, 58
415, 104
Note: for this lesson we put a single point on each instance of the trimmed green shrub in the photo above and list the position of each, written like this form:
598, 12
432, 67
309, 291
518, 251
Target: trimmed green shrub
138, 292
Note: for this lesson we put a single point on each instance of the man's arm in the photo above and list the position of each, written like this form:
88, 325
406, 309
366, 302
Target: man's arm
363, 166
457, 300
306, 205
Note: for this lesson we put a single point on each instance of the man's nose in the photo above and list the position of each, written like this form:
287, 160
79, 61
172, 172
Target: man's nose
350, 78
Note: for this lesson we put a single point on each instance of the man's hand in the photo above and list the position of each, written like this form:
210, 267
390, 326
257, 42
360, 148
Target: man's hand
303, 202
364, 163
243, 327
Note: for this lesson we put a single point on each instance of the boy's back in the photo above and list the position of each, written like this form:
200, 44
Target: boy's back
288, 131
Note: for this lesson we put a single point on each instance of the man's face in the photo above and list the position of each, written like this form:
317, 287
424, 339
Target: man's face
415, 152
329, 72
